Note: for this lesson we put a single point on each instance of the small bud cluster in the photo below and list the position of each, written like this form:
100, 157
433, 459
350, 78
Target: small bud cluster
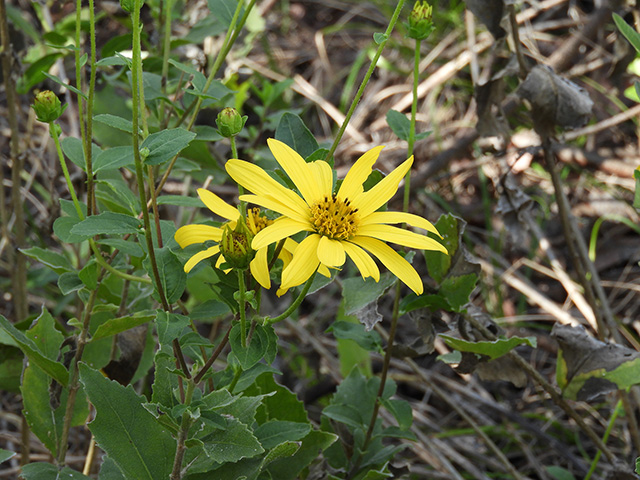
420, 25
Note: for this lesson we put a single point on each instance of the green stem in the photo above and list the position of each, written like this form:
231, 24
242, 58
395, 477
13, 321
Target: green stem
412, 126
242, 307
53, 131
296, 303
236, 376
365, 80
89, 117
176, 473
234, 154
136, 81
104, 264
166, 47
612, 420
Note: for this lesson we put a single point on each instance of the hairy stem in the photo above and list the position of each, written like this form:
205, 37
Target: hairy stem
296, 303
176, 472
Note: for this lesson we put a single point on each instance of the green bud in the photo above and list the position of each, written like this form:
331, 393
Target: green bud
230, 122
420, 25
235, 246
127, 5
144, 153
47, 106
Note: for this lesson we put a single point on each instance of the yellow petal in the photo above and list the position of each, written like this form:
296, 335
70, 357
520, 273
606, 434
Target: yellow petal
323, 176
217, 205
274, 204
297, 169
282, 228
331, 252
256, 180
351, 186
399, 217
394, 262
303, 264
379, 194
401, 237
191, 234
260, 269
324, 271
198, 257
363, 261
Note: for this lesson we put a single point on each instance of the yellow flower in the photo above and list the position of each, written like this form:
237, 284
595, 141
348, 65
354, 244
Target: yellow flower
192, 234
340, 224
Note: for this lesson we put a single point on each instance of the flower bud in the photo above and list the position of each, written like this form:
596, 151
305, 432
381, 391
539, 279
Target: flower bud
230, 122
47, 106
235, 246
420, 25
127, 5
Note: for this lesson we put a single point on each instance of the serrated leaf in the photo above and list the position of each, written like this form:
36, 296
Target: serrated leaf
289, 468
107, 223
292, 131
283, 450
456, 290
170, 326
69, 282
166, 144
120, 324
235, 442
55, 261
254, 351
224, 10
54, 369
125, 430
493, 349
401, 411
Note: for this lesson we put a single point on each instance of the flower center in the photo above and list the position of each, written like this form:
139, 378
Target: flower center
335, 218
256, 221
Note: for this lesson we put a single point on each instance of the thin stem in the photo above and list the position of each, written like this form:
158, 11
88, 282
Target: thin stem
296, 303
53, 131
234, 154
412, 125
242, 307
236, 376
176, 472
89, 114
166, 47
154, 205
107, 266
605, 437
213, 357
365, 80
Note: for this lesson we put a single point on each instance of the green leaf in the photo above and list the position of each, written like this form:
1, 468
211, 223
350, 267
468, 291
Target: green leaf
73, 149
224, 10
628, 31
433, 302
262, 340
292, 131
109, 470
164, 145
380, 37
438, 263
283, 405
232, 443
54, 369
359, 293
48, 471
55, 261
114, 158
125, 430
120, 324
637, 465
399, 123
559, 473
275, 432
456, 290
115, 121
35, 73
493, 349
89, 275
69, 282
289, 468
65, 85
369, 340
347, 414
172, 276
6, 455
62, 226
283, 450
107, 223
401, 411
170, 326
125, 246
165, 382
179, 201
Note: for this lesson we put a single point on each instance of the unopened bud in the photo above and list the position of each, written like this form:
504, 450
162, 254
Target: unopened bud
230, 122
47, 106
420, 25
235, 246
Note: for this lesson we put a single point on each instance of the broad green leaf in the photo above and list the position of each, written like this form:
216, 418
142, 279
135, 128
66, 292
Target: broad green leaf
125, 246
62, 226
282, 450
53, 368
179, 201
166, 144
292, 131
172, 276
379, 38
109, 470
347, 414
369, 340
69, 282
628, 31
165, 382
89, 275
232, 443
283, 405
438, 263
433, 302
48, 471
359, 293
125, 430
113, 120
559, 473
120, 324
289, 468
11, 359
55, 261
224, 10
6, 455
114, 158
493, 349
74, 150
262, 342
275, 432
107, 223
456, 290
170, 326
401, 411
